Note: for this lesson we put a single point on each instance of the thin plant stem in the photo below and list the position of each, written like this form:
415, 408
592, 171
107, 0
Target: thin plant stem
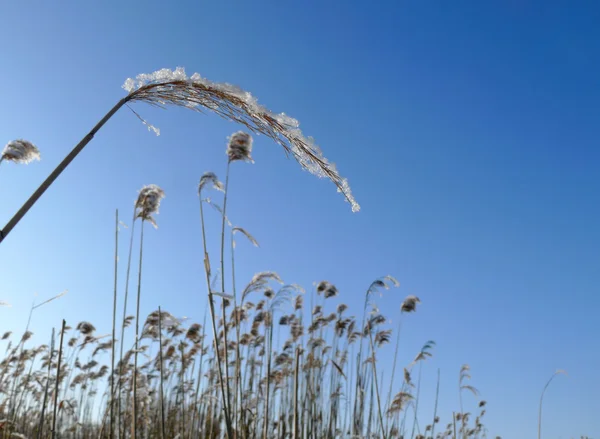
224, 315
182, 384
162, 377
395, 361
377, 387
112, 358
437, 395
238, 368
412, 435
269, 342
46, 388
119, 411
214, 326
454, 423
58, 170
296, 374
137, 335
62, 334
542, 400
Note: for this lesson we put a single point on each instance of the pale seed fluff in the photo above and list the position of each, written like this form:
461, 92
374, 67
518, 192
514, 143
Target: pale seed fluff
20, 151
410, 304
239, 147
210, 178
148, 203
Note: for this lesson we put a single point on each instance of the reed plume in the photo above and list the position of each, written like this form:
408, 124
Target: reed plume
20, 151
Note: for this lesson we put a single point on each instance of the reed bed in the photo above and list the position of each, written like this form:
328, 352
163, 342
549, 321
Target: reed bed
304, 387
266, 365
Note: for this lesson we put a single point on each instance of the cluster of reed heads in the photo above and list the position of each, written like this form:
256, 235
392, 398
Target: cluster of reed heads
262, 364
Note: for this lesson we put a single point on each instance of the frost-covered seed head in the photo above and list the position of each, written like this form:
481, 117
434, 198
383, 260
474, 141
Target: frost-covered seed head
20, 151
410, 304
148, 203
240, 147
210, 178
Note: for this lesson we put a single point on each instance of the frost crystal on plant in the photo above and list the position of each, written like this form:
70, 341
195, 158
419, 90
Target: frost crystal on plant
174, 87
20, 151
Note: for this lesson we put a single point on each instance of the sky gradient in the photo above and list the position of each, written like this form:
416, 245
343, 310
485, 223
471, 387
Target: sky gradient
468, 132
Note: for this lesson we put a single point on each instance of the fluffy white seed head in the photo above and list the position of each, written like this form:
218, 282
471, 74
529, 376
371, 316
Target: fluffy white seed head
240, 147
20, 151
148, 203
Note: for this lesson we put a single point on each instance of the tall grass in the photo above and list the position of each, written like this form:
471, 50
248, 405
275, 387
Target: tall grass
273, 367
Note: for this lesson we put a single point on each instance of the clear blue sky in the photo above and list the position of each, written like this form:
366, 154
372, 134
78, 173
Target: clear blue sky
468, 131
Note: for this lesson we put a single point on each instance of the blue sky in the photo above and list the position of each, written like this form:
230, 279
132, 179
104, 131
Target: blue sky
468, 132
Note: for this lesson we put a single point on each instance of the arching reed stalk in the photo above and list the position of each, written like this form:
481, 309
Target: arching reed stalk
558, 372
167, 87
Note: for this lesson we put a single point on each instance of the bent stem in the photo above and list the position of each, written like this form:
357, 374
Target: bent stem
58, 170
542, 400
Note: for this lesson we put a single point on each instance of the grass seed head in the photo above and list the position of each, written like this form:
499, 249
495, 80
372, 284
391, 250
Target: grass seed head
20, 151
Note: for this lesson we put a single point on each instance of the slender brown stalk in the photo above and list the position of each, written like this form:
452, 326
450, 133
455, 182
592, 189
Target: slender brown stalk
269, 354
162, 377
395, 361
62, 333
224, 315
214, 326
119, 410
137, 335
542, 400
437, 395
378, 398
296, 375
182, 384
454, 423
112, 358
46, 388
238, 367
